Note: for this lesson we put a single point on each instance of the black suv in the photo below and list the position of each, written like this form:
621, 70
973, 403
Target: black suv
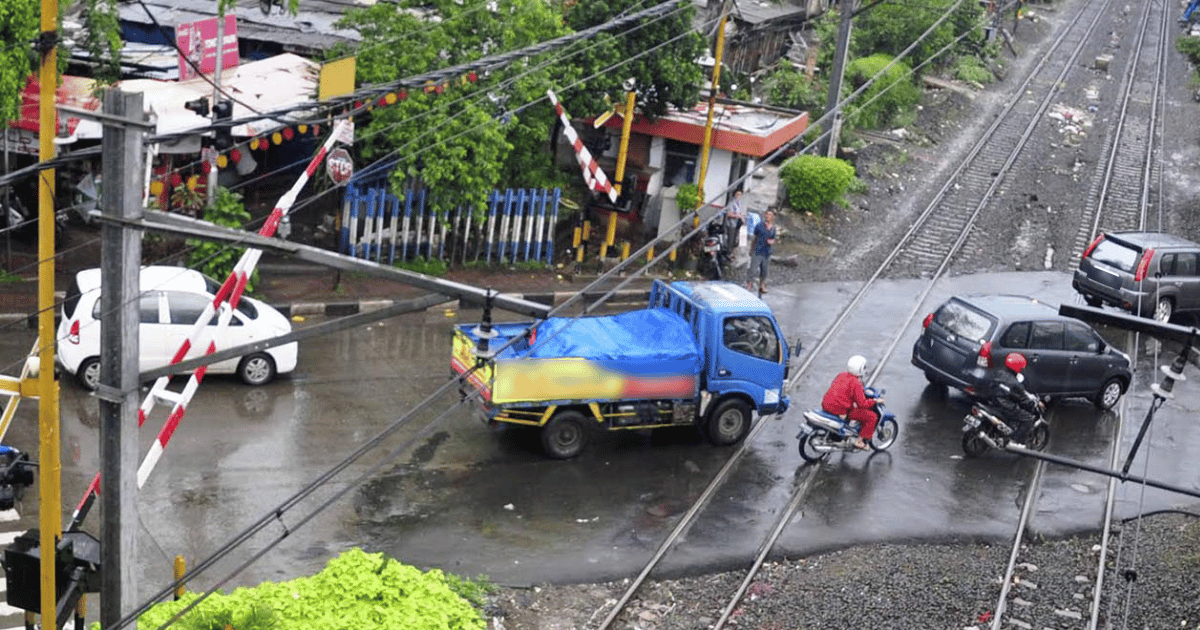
1146, 273
967, 336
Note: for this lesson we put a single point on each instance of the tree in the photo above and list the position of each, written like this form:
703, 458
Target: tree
666, 77
461, 139
18, 29
892, 27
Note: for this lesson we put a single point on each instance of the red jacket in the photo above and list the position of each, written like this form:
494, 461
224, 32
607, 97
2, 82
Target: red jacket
844, 394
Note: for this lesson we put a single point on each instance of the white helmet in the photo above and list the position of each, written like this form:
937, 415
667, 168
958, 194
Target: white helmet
857, 365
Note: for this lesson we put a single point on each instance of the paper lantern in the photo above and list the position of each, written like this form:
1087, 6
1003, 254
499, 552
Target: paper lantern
176, 179
288, 133
222, 161
156, 187
277, 138
193, 181
390, 98
302, 128
236, 155
254, 144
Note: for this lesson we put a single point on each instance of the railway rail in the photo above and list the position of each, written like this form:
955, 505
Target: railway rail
1119, 193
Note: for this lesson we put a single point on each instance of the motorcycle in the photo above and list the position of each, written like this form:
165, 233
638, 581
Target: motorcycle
823, 433
717, 253
983, 428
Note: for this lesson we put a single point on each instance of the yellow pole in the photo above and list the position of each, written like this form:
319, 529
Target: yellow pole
624, 250
712, 105
630, 102
180, 568
49, 459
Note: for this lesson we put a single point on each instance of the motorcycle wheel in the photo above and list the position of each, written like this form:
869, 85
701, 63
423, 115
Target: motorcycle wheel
807, 451
885, 435
973, 444
1039, 437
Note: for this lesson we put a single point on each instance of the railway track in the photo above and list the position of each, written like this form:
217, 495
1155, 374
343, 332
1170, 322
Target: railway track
1120, 198
1119, 195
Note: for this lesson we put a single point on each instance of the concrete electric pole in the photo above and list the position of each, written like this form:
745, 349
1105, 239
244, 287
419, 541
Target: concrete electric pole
833, 126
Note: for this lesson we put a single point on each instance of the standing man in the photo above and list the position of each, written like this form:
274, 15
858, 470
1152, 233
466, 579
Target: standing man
760, 247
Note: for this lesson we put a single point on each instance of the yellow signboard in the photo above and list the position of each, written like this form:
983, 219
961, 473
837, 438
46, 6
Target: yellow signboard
337, 79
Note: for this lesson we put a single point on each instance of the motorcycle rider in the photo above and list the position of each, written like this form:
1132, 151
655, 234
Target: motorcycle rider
1005, 392
847, 399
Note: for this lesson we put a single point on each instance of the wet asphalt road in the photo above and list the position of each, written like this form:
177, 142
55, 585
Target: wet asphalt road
473, 501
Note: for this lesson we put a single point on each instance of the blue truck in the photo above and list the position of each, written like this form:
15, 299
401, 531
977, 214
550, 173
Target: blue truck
704, 354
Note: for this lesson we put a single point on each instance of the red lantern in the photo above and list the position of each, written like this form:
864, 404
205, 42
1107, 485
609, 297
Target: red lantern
472, 77
288, 133
401, 95
176, 179
235, 155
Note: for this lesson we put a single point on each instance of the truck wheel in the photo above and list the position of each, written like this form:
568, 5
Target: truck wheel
564, 436
729, 422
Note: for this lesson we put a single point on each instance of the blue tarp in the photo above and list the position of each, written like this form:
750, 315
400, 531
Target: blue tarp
648, 341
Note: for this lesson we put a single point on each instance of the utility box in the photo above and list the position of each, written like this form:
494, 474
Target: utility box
22, 568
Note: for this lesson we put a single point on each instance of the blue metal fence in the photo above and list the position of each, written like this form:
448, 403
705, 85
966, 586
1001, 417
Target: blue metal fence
377, 225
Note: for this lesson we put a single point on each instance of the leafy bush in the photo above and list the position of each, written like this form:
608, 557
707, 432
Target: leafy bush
787, 86
814, 182
215, 259
972, 70
688, 197
888, 100
354, 590
1189, 47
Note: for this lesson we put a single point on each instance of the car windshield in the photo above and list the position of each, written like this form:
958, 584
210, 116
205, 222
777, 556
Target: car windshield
964, 321
1115, 254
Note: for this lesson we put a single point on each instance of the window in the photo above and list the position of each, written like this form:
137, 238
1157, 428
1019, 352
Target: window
1118, 255
964, 321
147, 308
1079, 338
753, 335
186, 308
680, 166
1047, 336
1178, 265
1017, 336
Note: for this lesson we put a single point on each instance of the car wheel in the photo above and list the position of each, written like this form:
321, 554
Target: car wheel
88, 373
1108, 395
729, 422
564, 436
257, 369
1163, 310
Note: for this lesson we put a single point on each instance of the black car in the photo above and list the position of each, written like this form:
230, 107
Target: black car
967, 336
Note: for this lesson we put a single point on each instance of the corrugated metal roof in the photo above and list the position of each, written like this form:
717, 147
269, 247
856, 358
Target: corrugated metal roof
758, 11
312, 27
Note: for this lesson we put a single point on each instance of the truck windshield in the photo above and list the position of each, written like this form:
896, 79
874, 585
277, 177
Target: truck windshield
753, 335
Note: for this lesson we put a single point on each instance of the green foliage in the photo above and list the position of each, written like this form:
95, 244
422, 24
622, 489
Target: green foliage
432, 267
666, 74
102, 38
354, 590
18, 28
215, 259
890, 28
787, 86
888, 101
463, 140
814, 182
1189, 47
688, 197
972, 70
8, 277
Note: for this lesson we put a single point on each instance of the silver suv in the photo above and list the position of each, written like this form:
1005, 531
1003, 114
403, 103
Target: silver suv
1150, 274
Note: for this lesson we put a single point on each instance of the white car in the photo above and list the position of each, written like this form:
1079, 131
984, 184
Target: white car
172, 299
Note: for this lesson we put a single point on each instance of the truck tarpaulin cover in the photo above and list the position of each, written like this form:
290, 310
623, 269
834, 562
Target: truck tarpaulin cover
646, 354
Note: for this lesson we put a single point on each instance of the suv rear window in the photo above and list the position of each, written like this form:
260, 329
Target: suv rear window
1116, 254
964, 321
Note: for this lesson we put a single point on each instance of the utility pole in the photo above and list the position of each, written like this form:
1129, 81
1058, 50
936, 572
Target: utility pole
833, 125
49, 450
211, 188
712, 105
120, 258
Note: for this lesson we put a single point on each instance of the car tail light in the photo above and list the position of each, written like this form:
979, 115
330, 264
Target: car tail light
928, 321
73, 333
1095, 242
985, 355
1143, 266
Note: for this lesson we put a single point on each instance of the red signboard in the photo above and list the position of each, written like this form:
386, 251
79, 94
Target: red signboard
339, 165
199, 41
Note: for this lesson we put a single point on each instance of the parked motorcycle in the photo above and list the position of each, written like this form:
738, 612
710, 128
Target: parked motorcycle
717, 255
823, 433
984, 428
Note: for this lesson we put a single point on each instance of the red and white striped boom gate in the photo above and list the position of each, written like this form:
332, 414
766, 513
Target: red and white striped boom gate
592, 174
201, 336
